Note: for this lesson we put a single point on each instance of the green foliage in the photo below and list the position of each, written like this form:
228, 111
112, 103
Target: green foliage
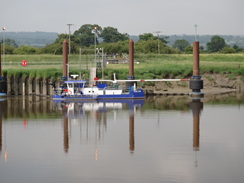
181, 44
150, 36
55, 48
34, 73
151, 46
115, 48
228, 49
111, 35
151, 66
24, 50
149, 58
84, 36
9, 49
188, 50
216, 44
10, 42
147, 36
237, 48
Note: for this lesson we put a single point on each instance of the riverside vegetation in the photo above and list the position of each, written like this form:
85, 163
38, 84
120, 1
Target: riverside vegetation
218, 70
148, 66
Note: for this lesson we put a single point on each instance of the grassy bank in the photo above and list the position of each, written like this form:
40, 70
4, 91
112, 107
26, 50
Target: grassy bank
150, 65
138, 57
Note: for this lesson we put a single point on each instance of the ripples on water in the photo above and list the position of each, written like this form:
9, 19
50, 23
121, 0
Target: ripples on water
161, 139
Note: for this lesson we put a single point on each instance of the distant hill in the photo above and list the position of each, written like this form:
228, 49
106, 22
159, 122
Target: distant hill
41, 39
36, 39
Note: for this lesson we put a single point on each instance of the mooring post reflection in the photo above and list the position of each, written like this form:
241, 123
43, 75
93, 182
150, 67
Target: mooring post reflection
3, 106
160, 141
0, 134
196, 106
97, 111
65, 112
131, 132
66, 134
132, 107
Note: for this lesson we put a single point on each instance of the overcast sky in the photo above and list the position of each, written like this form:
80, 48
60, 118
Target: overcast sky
221, 17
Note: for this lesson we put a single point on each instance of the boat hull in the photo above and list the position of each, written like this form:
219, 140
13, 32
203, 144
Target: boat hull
137, 94
74, 97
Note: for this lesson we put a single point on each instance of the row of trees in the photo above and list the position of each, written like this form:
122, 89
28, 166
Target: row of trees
115, 42
216, 44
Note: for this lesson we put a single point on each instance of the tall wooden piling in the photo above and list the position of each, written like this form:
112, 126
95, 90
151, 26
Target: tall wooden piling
131, 65
131, 59
196, 84
196, 58
65, 59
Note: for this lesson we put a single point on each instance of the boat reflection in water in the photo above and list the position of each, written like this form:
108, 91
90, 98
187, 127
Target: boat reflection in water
98, 111
92, 116
160, 139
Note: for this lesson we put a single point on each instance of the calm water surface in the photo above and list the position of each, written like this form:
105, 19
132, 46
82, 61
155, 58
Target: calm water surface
163, 139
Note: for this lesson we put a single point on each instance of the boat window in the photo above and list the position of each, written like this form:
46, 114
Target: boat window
70, 85
80, 85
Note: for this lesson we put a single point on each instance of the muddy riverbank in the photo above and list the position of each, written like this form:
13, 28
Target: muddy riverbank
213, 84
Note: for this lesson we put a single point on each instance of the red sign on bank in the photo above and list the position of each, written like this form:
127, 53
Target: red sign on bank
24, 63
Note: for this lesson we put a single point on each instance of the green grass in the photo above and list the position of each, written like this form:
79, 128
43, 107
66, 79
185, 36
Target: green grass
150, 66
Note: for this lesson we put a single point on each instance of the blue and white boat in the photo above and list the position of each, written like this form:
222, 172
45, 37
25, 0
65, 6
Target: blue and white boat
73, 90
78, 90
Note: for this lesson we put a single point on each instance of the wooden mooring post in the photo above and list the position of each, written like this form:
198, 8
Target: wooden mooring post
29, 86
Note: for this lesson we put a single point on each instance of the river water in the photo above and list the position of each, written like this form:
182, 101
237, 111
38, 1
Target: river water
163, 139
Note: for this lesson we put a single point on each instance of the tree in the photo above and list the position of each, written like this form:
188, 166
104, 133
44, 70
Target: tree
9, 49
150, 36
147, 36
115, 48
228, 49
111, 35
237, 48
56, 49
181, 44
24, 50
151, 46
216, 44
57, 46
11, 42
84, 35
61, 38
188, 49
